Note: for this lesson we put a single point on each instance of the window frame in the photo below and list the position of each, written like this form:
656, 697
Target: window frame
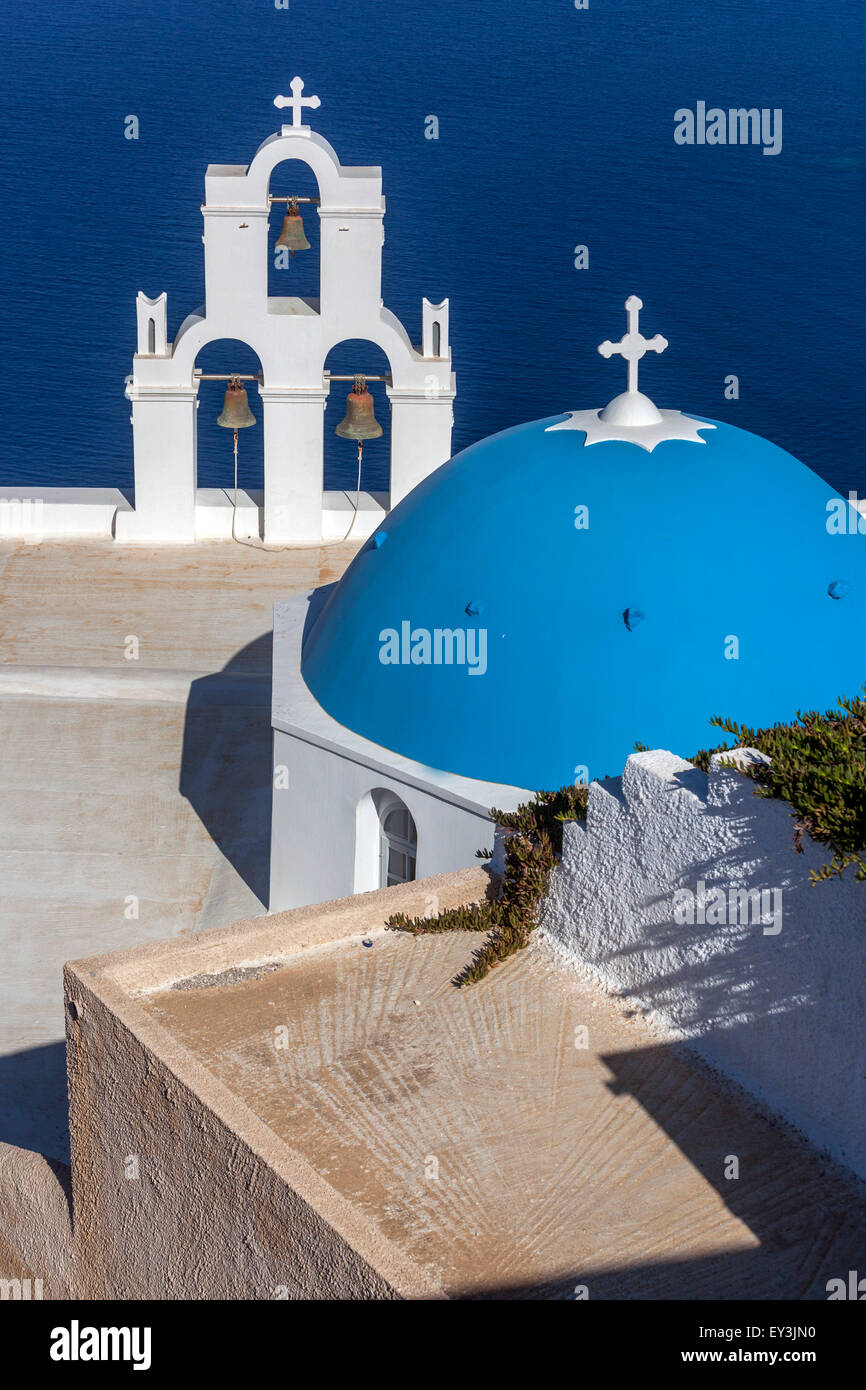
399, 844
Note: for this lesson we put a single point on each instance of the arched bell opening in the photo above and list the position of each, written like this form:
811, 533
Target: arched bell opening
221, 359
357, 356
294, 270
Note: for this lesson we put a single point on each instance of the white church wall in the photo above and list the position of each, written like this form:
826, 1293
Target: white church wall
152, 331
778, 1005
322, 772
294, 423
434, 340
164, 427
325, 841
420, 431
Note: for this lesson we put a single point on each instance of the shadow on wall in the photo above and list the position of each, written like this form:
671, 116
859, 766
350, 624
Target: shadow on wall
743, 966
225, 771
34, 1111
715, 984
653, 896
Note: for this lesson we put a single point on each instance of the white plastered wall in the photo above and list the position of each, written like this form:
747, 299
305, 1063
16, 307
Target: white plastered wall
324, 842
325, 832
780, 1011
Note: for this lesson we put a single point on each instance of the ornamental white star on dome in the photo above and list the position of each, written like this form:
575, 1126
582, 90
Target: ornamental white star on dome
632, 416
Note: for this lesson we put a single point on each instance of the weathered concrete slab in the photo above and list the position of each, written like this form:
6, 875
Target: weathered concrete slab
498, 1156
192, 607
136, 793
314, 1107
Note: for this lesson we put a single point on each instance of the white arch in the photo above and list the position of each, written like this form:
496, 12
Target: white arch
370, 814
339, 188
197, 333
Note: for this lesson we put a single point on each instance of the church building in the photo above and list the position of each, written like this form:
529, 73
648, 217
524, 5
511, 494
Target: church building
520, 615
546, 599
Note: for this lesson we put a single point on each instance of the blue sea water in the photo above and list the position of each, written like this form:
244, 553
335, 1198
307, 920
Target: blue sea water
556, 130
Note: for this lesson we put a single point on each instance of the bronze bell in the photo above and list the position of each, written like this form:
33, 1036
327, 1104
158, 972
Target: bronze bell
236, 413
359, 422
293, 237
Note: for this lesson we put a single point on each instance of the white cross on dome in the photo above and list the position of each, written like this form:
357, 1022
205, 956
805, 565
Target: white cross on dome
632, 416
633, 345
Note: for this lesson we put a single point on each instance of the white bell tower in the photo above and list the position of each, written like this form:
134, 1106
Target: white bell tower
292, 337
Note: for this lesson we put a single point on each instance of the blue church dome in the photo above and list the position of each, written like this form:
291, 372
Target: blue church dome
590, 595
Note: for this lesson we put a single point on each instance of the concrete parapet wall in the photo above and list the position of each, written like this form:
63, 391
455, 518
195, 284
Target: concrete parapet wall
771, 991
180, 1190
40, 514
43, 513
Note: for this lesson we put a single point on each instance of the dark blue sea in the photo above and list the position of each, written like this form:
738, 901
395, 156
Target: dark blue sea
555, 130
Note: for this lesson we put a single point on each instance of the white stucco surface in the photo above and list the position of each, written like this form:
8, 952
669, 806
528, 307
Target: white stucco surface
33, 514
215, 515
322, 844
777, 1005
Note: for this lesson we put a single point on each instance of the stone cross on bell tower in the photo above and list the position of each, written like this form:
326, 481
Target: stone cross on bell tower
297, 102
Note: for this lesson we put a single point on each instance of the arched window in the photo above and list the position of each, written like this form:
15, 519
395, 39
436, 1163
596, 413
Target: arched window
151, 337
437, 338
398, 845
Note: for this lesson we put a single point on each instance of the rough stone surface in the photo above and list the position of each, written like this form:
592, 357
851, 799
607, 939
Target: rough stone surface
148, 778
221, 1206
35, 1222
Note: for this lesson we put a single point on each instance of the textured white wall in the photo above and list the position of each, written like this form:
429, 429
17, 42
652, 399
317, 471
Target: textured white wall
35, 514
780, 1011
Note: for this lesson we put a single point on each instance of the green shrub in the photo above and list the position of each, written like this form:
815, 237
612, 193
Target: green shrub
531, 849
819, 767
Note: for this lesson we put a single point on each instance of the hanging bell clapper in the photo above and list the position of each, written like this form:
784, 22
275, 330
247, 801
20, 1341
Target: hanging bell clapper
358, 423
